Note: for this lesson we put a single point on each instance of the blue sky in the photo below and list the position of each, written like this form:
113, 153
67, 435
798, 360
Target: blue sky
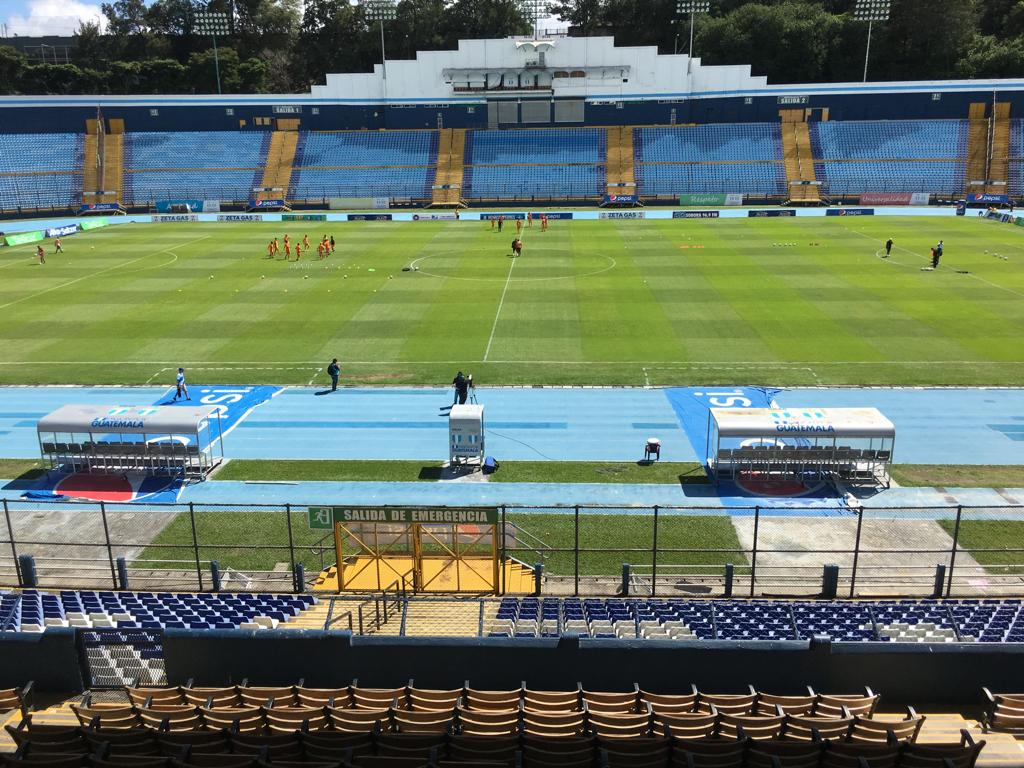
45, 17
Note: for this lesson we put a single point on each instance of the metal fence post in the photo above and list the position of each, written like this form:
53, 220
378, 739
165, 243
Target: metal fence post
110, 548
14, 547
654, 554
952, 552
576, 551
195, 544
503, 556
753, 554
856, 551
291, 538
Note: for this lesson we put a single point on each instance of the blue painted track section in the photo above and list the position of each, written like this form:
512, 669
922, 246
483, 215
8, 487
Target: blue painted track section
933, 426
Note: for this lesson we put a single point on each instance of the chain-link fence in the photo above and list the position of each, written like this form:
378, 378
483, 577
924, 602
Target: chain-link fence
661, 551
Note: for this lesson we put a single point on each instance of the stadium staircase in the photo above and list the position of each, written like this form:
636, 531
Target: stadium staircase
798, 158
451, 147
998, 169
277, 171
621, 177
977, 145
91, 161
113, 163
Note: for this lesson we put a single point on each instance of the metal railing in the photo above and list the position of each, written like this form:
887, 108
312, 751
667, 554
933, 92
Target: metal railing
751, 551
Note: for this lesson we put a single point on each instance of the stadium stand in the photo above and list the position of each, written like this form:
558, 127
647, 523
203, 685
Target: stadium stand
41, 170
214, 165
890, 155
1015, 163
1003, 711
908, 621
722, 158
535, 163
34, 611
364, 164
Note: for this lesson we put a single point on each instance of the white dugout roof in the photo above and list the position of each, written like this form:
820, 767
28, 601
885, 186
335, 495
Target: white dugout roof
127, 420
836, 423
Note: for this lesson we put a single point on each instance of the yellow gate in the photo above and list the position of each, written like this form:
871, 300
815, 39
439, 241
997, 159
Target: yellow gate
413, 548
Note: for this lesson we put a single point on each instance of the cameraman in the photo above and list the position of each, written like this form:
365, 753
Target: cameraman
461, 384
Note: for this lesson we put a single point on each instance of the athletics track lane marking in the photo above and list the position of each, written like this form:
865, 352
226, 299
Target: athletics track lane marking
97, 274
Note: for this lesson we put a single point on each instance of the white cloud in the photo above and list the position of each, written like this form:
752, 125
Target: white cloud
53, 17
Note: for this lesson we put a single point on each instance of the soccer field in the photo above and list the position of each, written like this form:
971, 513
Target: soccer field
740, 301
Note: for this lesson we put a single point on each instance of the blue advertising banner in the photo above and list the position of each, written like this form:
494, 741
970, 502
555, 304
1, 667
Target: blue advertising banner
621, 199
850, 212
67, 229
985, 197
89, 207
694, 214
771, 212
276, 203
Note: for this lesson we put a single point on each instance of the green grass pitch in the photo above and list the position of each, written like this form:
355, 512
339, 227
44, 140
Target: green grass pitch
740, 301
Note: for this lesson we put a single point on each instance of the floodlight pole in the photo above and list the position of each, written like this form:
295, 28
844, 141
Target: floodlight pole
216, 63
867, 50
689, 51
383, 55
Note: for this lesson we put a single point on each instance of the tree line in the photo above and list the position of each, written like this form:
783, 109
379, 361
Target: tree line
282, 46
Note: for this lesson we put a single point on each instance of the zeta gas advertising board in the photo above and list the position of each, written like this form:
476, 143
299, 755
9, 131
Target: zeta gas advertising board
620, 214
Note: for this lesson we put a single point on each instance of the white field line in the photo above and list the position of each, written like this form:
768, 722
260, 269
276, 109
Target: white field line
497, 314
232, 365
96, 274
227, 368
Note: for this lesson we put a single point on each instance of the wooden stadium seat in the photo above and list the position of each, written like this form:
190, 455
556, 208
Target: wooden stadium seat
219, 761
255, 696
48, 738
212, 697
26, 759
491, 749
336, 745
156, 761
643, 752
810, 728
359, 720
134, 741
495, 700
107, 716
413, 745
731, 703
177, 718
618, 725
378, 698
773, 753
688, 725
754, 727
197, 742
1003, 711
962, 754
831, 704
473, 722
709, 753
418, 721
15, 698
771, 704
155, 695
552, 701
428, 699
671, 704
389, 761
559, 752
288, 719
279, 746
553, 724
844, 754
322, 697
867, 729
597, 701
234, 719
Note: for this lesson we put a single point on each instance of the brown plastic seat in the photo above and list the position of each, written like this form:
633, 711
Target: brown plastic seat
671, 703
962, 754
754, 727
287, 719
488, 722
619, 725
255, 696
810, 728
497, 700
379, 698
709, 753
491, 749
359, 720
121, 742
155, 695
423, 721
430, 699
322, 697
868, 729
1003, 711
49, 760
598, 701
731, 703
552, 701
200, 760
197, 742
180, 717
641, 752
218, 697
109, 716
235, 719
772, 704
279, 746
558, 752
844, 754
832, 704
336, 745
48, 738
411, 745
687, 725
553, 724
773, 753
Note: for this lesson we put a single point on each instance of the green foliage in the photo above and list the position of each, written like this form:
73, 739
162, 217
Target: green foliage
12, 66
988, 56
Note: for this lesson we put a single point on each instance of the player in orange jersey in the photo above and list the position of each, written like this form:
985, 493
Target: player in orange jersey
529, 218
298, 251
287, 249
320, 251
305, 242
270, 249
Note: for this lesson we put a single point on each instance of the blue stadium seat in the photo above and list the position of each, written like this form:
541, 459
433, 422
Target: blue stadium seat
41, 170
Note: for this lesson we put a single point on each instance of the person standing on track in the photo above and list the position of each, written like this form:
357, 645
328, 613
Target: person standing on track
461, 385
334, 371
182, 388
888, 248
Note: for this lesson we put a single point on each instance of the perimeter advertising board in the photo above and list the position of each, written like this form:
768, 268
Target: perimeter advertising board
715, 200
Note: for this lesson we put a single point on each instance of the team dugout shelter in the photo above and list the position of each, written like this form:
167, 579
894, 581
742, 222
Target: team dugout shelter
106, 439
852, 445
